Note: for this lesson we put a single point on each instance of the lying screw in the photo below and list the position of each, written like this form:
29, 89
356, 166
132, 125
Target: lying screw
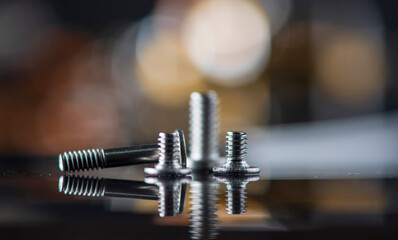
107, 158
101, 187
171, 154
236, 153
172, 193
203, 126
236, 192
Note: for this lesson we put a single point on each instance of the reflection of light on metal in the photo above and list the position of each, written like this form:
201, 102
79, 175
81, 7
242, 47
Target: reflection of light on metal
171, 194
203, 207
228, 40
236, 192
164, 71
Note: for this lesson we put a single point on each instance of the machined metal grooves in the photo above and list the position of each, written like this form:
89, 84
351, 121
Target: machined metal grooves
203, 210
236, 146
169, 150
236, 200
203, 127
169, 199
82, 160
82, 186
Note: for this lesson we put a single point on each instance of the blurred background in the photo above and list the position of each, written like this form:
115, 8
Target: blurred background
82, 74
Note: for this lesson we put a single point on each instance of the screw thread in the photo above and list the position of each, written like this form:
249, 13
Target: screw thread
204, 127
82, 160
168, 201
169, 151
82, 186
236, 146
203, 210
236, 200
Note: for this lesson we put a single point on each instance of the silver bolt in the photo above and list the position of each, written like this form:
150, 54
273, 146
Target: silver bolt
236, 153
171, 155
107, 158
236, 192
203, 126
171, 195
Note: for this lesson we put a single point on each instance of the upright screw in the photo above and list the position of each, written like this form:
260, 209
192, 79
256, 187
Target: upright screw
203, 126
236, 192
101, 187
107, 158
171, 146
236, 153
171, 195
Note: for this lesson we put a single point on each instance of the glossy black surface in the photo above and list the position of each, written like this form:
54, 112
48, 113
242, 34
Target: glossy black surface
32, 206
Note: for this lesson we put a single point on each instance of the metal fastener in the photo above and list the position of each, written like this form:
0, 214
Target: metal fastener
236, 153
107, 158
172, 192
203, 126
172, 156
236, 192
104, 187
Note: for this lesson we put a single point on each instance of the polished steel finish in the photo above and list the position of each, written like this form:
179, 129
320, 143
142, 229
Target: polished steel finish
172, 192
235, 158
203, 127
171, 145
203, 197
104, 187
107, 158
236, 192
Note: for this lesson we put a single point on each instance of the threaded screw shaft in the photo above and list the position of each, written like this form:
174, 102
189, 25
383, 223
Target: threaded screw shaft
170, 150
171, 196
203, 208
236, 151
100, 187
236, 192
106, 158
203, 126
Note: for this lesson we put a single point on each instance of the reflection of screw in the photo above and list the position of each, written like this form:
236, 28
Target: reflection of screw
236, 153
236, 192
172, 193
106, 158
203, 207
203, 128
100, 187
171, 145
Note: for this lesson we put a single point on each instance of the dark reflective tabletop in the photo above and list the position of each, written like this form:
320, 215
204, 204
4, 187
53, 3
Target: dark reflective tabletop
38, 202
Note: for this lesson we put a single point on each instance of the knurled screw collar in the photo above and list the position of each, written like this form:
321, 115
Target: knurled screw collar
172, 154
235, 158
236, 192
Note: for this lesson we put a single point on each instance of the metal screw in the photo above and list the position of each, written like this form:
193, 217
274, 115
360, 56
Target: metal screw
203, 207
172, 154
203, 128
236, 192
236, 153
172, 193
101, 187
107, 158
